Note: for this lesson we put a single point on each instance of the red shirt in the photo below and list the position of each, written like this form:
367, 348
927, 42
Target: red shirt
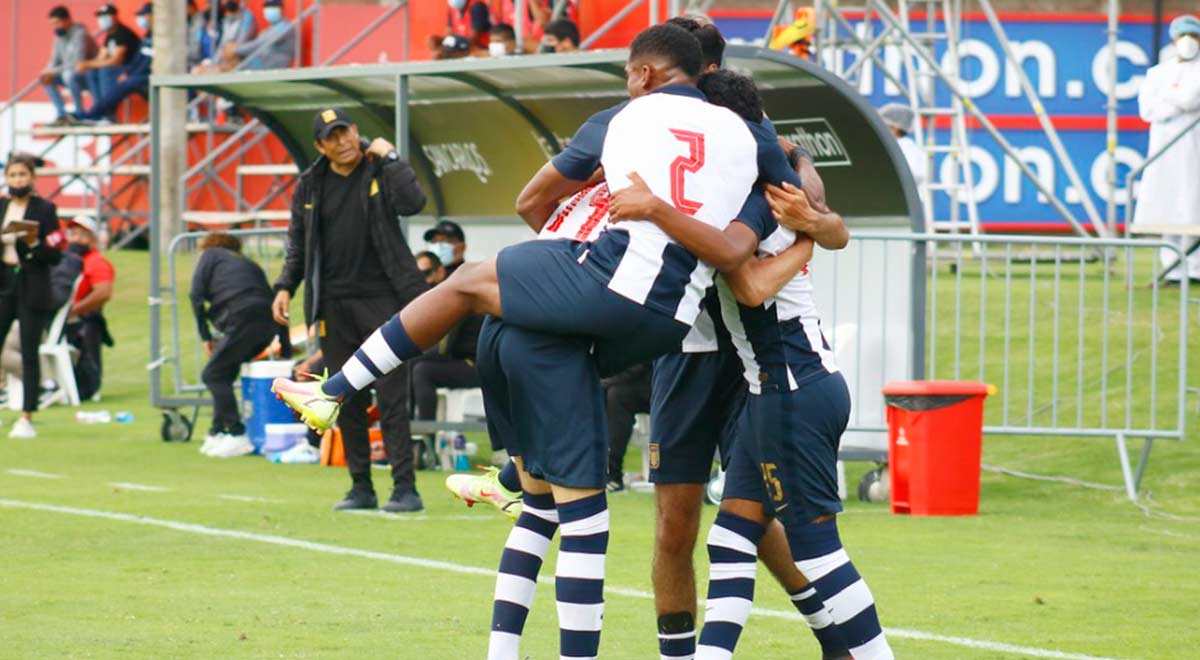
96, 270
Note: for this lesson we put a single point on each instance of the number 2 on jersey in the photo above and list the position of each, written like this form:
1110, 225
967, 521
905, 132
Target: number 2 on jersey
684, 164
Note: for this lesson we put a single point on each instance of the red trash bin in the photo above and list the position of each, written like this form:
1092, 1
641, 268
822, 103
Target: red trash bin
935, 441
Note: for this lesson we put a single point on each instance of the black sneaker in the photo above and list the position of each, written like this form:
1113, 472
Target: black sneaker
615, 485
404, 502
357, 499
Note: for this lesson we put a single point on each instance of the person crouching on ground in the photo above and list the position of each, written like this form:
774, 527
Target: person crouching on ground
231, 291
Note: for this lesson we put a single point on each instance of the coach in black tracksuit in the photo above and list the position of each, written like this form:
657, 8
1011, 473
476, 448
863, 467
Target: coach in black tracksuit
346, 246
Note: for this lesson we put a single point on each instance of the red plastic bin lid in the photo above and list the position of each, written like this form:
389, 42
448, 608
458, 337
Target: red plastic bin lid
938, 388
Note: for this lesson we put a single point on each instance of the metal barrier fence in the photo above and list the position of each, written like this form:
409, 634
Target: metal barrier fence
1078, 334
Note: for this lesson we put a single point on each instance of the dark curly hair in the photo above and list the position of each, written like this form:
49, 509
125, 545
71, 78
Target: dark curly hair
671, 42
734, 91
712, 44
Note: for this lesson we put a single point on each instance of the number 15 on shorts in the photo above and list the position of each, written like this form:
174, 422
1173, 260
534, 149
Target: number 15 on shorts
774, 487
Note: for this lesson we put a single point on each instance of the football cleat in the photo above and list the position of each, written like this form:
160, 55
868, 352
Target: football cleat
472, 488
317, 409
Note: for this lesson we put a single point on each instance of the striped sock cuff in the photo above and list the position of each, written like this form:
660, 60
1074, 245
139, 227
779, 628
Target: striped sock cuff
677, 646
379, 355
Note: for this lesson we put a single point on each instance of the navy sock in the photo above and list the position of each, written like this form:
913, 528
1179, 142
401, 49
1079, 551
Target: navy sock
509, 477
379, 355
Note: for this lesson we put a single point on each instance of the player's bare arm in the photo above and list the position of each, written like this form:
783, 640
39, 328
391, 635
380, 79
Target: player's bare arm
792, 209
723, 250
758, 279
541, 195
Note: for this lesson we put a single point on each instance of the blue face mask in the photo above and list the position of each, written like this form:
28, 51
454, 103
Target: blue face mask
444, 252
273, 14
105, 22
143, 22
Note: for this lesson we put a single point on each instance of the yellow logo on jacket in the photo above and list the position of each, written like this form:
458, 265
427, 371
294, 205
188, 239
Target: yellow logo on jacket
374, 187
328, 116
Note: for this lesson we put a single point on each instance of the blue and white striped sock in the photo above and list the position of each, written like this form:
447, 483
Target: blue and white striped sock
380, 354
579, 578
516, 581
732, 556
820, 557
818, 618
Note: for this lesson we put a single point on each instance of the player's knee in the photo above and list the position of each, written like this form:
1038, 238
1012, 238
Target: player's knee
676, 533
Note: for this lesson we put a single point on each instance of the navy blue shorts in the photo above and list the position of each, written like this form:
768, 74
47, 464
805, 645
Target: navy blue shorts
695, 402
543, 287
544, 403
786, 450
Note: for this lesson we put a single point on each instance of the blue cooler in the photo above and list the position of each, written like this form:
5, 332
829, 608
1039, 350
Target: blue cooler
259, 405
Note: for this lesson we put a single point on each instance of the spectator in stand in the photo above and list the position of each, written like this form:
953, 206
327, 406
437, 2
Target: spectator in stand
231, 291
502, 40
234, 27
86, 327
199, 41
452, 362
275, 48
470, 19
121, 48
448, 243
135, 80
72, 45
538, 14
452, 47
562, 36
626, 394
31, 246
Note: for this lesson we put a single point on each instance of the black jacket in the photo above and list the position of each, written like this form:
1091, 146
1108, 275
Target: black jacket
391, 191
230, 284
33, 280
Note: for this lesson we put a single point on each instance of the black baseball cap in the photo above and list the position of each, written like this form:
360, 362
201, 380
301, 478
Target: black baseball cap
146, 9
447, 229
107, 10
326, 120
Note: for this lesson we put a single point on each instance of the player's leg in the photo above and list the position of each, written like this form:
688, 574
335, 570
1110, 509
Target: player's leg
806, 463
676, 528
732, 545
776, 555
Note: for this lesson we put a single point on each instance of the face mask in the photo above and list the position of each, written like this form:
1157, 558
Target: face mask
232, 7
78, 248
273, 14
143, 22
20, 191
1188, 48
59, 32
457, 5
497, 49
444, 252
105, 22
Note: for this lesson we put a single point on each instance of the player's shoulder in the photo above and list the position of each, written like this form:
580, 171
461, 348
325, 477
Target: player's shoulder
605, 116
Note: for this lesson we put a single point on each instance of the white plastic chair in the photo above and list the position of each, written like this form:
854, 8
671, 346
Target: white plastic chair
57, 352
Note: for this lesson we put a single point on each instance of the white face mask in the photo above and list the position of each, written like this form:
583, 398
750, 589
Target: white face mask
497, 49
457, 5
1187, 48
444, 252
105, 22
143, 22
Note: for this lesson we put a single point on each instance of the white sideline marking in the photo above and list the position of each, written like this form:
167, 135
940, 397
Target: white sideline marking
251, 498
1167, 532
142, 487
326, 548
34, 474
404, 517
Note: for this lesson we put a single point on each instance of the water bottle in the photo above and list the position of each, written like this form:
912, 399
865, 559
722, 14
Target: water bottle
462, 462
443, 446
124, 417
93, 417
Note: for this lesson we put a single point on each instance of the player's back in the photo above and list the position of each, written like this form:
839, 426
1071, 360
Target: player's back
699, 157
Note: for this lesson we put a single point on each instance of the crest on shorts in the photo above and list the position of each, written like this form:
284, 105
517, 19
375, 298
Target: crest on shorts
328, 116
653, 447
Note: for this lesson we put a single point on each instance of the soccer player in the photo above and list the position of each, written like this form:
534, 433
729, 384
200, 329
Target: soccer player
783, 464
632, 293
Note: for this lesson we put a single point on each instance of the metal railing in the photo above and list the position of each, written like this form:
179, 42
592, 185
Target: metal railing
1077, 333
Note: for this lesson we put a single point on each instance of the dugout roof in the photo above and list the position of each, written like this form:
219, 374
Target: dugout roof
479, 128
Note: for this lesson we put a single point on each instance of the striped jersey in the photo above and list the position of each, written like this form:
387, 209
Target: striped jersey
581, 217
781, 338
698, 156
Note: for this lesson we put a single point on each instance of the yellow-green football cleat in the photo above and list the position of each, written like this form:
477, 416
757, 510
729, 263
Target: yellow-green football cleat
472, 488
317, 409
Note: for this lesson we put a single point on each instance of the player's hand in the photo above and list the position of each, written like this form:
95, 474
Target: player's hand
210, 345
791, 208
380, 148
636, 202
46, 78
279, 308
